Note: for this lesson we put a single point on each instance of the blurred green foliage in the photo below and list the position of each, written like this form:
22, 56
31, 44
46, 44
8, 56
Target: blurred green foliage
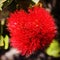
1, 3
4, 41
1, 41
54, 49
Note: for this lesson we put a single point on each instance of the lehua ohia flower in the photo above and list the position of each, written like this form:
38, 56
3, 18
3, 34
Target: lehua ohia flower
31, 31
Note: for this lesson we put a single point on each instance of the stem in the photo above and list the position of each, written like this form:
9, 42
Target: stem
2, 24
1, 29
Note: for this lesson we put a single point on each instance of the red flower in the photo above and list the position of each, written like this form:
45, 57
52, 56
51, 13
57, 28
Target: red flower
31, 31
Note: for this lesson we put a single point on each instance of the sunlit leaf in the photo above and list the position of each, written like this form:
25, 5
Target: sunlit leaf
6, 41
35, 1
2, 21
1, 3
1, 40
53, 49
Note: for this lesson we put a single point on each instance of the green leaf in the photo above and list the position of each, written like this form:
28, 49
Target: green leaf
1, 40
54, 49
1, 3
2, 21
6, 41
35, 1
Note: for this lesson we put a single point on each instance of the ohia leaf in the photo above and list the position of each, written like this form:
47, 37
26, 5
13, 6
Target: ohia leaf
54, 49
